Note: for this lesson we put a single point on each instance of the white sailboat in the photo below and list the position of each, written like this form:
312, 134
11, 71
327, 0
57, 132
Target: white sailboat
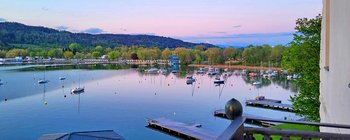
44, 81
78, 89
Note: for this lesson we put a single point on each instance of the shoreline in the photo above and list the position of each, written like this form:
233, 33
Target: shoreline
236, 67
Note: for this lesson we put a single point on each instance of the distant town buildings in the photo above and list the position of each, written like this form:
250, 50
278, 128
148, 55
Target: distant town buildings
16, 60
174, 60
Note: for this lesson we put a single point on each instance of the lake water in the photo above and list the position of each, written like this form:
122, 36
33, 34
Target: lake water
120, 98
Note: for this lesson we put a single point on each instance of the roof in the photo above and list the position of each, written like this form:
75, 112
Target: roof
87, 135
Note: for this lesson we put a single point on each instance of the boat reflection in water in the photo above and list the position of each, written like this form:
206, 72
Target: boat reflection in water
190, 80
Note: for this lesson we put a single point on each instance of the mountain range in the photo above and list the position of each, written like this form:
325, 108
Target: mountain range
14, 34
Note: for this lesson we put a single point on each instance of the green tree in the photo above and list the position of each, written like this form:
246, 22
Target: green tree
166, 53
124, 51
43, 54
79, 55
189, 56
276, 55
107, 50
16, 52
32, 54
88, 56
213, 54
197, 56
68, 55
265, 53
154, 53
3, 53
96, 54
142, 53
302, 57
182, 54
55, 53
113, 55
256, 55
229, 53
100, 49
74, 47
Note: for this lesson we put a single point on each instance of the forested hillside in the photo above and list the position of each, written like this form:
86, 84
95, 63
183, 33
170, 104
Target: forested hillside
16, 33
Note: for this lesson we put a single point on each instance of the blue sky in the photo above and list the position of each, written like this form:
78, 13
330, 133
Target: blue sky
226, 22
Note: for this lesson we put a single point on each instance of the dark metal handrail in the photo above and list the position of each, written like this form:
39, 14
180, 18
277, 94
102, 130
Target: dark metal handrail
302, 122
292, 133
237, 131
233, 111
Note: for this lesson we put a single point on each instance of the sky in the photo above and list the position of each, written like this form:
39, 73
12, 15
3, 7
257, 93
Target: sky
220, 22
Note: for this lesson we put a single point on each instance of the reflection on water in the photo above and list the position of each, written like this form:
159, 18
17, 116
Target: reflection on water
279, 80
120, 97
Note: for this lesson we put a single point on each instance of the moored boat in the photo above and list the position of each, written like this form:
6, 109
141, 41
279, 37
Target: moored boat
77, 90
42, 81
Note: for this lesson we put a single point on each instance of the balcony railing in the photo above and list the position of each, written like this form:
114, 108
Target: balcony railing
237, 131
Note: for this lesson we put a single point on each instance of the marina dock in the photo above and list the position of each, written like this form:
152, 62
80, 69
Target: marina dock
86, 135
180, 129
268, 103
272, 100
249, 118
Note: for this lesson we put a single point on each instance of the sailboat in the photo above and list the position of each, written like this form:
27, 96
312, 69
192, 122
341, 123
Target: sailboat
79, 89
62, 78
43, 81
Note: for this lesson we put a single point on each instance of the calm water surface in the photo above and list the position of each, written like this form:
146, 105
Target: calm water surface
120, 100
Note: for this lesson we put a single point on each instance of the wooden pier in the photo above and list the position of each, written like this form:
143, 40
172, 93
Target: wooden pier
272, 100
221, 113
272, 104
180, 129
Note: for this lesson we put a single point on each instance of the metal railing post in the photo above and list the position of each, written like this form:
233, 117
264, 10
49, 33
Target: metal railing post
235, 131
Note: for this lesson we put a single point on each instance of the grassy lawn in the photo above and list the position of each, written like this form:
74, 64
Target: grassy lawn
290, 127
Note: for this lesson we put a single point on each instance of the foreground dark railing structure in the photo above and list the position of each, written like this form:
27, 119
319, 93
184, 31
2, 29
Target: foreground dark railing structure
237, 131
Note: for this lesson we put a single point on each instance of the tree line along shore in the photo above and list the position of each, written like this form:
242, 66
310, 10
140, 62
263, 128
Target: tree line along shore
264, 55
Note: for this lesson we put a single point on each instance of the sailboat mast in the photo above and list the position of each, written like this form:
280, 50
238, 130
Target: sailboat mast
45, 73
79, 79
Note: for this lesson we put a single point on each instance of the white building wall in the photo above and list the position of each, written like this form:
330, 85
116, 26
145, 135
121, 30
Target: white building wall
334, 87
